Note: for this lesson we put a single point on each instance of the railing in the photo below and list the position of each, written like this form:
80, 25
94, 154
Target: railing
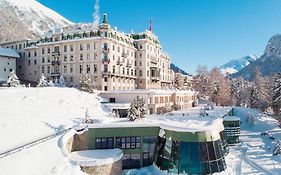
33, 143
56, 53
55, 62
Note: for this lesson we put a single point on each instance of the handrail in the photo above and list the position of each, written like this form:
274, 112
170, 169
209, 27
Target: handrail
31, 144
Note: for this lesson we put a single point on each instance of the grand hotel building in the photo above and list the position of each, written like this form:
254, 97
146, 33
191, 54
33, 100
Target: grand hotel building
113, 60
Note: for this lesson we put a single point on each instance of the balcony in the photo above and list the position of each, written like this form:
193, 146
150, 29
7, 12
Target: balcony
119, 62
55, 74
155, 78
153, 61
105, 50
105, 60
55, 62
56, 53
124, 55
129, 65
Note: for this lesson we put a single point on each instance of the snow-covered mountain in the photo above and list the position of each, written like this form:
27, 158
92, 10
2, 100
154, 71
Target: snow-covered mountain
236, 65
269, 63
26, 18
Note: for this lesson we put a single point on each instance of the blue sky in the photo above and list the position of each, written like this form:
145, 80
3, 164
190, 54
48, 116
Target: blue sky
193, 32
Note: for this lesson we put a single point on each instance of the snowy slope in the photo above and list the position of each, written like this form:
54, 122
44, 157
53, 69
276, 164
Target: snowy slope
28, 114
234, 66
30, 16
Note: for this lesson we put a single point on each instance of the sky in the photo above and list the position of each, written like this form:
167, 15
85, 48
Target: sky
193, 32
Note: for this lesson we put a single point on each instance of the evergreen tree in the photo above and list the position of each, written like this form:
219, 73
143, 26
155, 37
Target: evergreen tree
61, 81
13, 80
137, 109
43, 81
276, 95
86, 84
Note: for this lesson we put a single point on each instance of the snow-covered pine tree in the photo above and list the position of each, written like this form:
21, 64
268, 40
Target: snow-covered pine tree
13, 80
137, 109
50, 83
86, 84
276, 95
61, 81
56, 82
43, 81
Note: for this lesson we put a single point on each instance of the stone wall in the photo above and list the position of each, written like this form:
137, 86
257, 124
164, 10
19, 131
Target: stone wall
80, 142
111, 169
69, 144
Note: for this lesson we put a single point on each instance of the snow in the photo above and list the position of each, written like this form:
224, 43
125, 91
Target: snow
231, 118
28, 114
7, 52
44, 14
96, 157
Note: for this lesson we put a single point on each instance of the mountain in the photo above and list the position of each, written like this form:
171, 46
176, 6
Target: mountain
269, 63
26, 18
176, 69
236, 65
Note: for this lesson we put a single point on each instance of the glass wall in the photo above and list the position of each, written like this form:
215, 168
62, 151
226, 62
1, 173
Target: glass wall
190, 157
148, 150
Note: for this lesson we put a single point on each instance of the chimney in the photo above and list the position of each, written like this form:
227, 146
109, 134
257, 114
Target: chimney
104, 18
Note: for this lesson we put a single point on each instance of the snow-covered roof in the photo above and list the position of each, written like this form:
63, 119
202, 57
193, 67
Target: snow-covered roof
150, 91
96, 157
7, 52
118, 105
231, 118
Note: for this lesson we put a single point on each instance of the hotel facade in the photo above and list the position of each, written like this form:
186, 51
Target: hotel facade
113, 60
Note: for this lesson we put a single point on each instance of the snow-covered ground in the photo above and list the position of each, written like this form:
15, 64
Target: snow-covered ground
29, 114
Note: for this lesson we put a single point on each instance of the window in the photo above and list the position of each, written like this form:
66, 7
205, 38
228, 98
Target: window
104, 143
71, 79
71, 69
81, 57
71, 57
49, 50
71, 48
65, 58
81, 47
128, 142
105, 88
81, 69
140, 73
29, 62
88, 68
88, 47
113, 69
95, 68
43, 60
35, 54
29, 55
64, 69
35, 62
65, 48
105, 79
43, 70
48, 70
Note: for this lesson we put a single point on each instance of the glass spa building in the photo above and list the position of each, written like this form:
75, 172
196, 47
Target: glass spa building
175, 150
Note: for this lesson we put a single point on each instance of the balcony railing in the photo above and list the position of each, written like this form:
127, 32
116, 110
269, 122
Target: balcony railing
55, 74
105, 50
56, 53
56, 62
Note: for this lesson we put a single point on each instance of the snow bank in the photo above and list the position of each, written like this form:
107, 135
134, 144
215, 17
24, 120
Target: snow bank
96, 157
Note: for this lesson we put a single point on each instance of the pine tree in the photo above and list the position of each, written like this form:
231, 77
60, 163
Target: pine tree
137, 109
276, 95
43, 81
86, 84
13, 80
61, 81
